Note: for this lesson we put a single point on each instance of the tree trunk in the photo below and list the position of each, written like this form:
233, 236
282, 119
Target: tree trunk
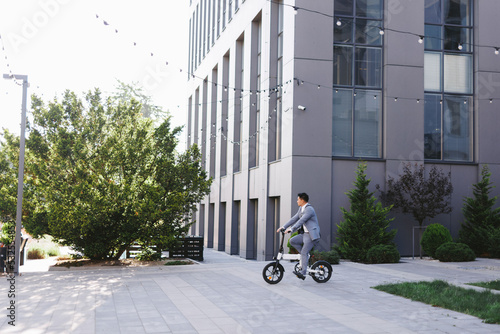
420, 238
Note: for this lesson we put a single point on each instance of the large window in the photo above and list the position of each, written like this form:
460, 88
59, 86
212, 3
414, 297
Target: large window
448, 84
357, 78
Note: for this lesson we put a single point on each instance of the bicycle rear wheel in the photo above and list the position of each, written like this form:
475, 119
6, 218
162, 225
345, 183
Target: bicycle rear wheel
321, 271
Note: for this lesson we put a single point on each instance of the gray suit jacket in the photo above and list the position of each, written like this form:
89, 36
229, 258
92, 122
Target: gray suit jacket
307, 218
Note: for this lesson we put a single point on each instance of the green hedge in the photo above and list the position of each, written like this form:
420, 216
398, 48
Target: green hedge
455, 252
331, 256
383, 254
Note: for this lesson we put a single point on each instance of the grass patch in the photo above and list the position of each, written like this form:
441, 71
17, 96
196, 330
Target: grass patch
494, 285
177, 263
484, 305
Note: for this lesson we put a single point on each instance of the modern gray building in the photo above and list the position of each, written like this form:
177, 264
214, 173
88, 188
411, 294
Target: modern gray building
287, 96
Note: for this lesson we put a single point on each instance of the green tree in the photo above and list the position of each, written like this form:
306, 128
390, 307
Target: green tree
419, 196
366, 224
480, 216
126, 92
9, 160
104, 177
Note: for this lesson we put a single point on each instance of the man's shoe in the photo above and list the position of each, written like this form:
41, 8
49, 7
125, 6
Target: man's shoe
299, 275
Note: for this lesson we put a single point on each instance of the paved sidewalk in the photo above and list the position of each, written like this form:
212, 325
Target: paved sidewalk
226, 294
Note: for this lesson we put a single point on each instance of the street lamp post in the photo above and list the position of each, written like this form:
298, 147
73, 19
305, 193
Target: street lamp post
20, 181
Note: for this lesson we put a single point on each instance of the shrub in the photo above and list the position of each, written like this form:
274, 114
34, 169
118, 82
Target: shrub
434, 236
494, 243
35, 253
148, 254
331, 256
53, 251
291, 249
455, 252
383, 254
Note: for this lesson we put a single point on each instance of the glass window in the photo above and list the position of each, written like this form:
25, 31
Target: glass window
433, 11
357, 67
457, 128
342, 122
457, 73
432, 71
448, 69
343, 33
457, 12
342, 65
342, 7
368, 67
368, 32
367, 127
457, 39
369, 8
433, 39
432, 126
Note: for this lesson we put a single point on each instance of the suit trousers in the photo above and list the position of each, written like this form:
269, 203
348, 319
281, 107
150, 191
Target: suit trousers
303, 243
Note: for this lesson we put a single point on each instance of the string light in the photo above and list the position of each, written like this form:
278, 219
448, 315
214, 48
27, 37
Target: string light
338, 23
460, 46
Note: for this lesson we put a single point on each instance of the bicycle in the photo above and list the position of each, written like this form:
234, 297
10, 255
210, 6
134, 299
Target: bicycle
273, 272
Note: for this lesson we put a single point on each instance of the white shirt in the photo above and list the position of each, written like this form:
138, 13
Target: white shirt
302, 211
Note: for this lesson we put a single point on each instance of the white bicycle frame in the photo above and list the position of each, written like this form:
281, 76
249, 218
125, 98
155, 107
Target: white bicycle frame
292, 257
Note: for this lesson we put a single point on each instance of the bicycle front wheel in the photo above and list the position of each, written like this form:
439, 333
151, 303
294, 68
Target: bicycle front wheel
273, 273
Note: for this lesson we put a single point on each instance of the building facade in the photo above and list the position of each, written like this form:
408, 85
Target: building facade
287, 96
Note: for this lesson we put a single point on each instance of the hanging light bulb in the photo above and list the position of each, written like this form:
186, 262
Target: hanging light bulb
460, 46
381, 31
339, 23
420, 39
497, 51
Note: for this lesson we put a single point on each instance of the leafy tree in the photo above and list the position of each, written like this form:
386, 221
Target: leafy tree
6, 232
125, 92
366, 224
9, 160
480, 216
420, 196
103, 177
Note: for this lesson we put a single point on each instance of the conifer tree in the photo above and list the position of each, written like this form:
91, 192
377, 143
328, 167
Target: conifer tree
366, 224
480, 218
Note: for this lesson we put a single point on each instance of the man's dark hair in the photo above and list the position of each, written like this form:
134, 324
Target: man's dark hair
304, 196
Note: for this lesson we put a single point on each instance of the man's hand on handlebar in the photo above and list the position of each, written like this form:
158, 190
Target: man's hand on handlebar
281, 229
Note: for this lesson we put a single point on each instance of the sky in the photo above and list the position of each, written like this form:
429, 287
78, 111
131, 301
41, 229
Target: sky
85, 44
